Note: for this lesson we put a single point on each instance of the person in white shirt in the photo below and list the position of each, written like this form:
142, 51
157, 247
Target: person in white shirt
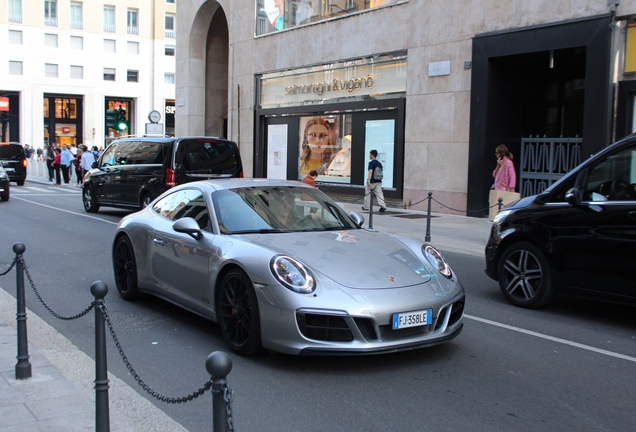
86, 163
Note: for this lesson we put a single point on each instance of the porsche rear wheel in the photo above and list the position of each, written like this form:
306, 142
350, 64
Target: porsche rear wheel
125, 267
238, 314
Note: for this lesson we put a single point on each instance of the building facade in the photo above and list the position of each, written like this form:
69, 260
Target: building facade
433, 85
85, 72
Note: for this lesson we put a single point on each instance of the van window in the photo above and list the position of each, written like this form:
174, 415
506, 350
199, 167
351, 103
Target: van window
207, 156
145, 153
110, 155
11, 152
125, 152
613, 179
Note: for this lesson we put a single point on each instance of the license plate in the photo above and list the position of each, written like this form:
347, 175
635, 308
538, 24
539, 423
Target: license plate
412, 319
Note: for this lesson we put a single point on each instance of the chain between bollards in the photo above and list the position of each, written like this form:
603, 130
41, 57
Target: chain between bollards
102, 415
22, 367
427, 238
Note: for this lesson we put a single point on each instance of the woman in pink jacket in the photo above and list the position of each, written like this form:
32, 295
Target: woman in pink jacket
504, 174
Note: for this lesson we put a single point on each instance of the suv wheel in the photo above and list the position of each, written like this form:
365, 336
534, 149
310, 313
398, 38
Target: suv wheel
90, 200
525, 277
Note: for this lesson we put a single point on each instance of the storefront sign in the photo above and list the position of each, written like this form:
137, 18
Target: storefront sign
4, 104
351, 79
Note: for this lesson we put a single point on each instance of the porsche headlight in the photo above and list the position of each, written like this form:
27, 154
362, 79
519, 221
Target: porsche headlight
292, 274
436, 259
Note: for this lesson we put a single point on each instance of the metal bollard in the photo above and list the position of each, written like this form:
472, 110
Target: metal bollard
499, 204
219, 365
102, 416
22, 367
372, 194
427, 237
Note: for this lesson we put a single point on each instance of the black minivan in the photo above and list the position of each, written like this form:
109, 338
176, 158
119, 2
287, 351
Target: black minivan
133, 171
578, 237
13, 159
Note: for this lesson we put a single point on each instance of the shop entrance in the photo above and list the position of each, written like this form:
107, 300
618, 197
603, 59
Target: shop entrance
63, 120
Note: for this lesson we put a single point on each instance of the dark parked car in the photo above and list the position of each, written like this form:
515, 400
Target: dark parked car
13, 159
134, 171
5, 190
576, 238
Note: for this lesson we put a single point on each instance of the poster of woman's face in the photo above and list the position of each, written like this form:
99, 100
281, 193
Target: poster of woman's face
318, 144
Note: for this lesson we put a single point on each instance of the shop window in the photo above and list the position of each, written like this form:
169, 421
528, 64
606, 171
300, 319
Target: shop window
77, 42
77, 19
109, 45
50, 70
170, 51
169, 78
77, 72
15, 67
132, 75
170, 1
109, 19
65, 108
132, 22
276, 15
15, 37
46, 108
109, 74
133, 48
50, 40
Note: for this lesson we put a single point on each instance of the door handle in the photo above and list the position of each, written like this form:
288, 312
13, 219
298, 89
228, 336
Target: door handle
158, 241
631, 215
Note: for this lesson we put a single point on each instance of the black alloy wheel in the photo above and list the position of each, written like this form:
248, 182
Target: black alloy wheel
238, 315
125, 267
89, 199
525, 278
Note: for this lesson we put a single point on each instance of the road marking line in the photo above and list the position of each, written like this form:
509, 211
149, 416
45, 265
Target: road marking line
41, 194
67, 211
552, 338
36, 188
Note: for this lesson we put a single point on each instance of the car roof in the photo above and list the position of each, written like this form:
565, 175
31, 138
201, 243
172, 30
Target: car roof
231, 183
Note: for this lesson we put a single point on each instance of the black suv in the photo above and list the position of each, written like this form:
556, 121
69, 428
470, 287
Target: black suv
13, 159
578, 237
134, 171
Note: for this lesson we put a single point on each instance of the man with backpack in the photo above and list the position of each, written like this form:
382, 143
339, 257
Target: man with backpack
374, 182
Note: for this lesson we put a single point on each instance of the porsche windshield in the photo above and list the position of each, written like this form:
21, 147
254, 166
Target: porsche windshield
277, 209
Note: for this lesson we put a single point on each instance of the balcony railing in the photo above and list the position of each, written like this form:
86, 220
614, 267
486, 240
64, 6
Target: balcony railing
133, 30
51, 22
109, 28
15, 18
77, 25
170, 34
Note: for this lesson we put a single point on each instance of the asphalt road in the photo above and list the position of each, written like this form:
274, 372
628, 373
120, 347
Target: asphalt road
571, 366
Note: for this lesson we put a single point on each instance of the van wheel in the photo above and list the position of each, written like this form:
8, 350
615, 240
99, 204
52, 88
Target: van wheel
525, 277
20, 182
89, 199
146, 199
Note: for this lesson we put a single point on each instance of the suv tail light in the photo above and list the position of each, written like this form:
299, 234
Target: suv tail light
170, 178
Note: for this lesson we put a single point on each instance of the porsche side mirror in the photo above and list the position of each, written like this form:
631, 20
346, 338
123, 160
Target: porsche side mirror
189, 226
357, 218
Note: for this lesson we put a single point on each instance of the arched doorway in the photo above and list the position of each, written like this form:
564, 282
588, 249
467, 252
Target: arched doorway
216, 76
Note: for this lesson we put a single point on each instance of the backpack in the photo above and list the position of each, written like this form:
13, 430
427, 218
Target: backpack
378, 174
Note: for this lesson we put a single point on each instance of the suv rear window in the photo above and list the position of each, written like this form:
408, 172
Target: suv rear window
11, 152
205, 156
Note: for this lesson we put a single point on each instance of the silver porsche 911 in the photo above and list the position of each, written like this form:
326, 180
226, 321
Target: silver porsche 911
280, 266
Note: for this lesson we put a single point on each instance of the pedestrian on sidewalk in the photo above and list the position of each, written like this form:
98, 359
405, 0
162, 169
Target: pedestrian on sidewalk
50, 158
86, 161
57, 166
78, 167
374, 182
310, 179
504, 173
66, 161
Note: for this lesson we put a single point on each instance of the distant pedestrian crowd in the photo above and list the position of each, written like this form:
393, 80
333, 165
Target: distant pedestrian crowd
60, 161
